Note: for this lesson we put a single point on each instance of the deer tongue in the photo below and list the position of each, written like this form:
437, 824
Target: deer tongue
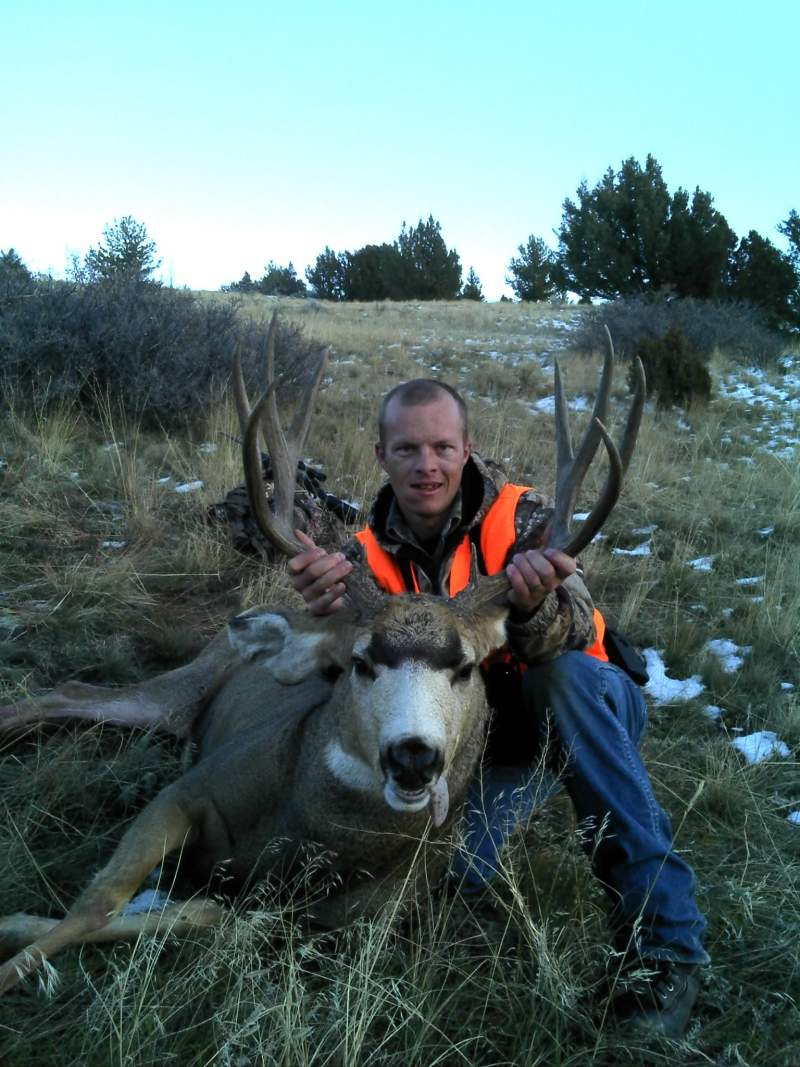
440, 801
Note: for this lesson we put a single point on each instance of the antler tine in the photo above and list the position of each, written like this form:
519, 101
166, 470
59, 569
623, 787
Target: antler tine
240, 396
284, 465
605, 504
564, 453
591, 438
276, 526
301, 423
570, 471
634, 415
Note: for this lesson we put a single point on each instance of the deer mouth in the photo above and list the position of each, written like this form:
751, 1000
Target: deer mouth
434, 795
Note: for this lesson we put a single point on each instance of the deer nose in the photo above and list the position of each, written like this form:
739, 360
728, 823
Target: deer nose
411, 763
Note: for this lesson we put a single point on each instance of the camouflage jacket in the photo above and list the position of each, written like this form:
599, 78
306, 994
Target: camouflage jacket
563, 620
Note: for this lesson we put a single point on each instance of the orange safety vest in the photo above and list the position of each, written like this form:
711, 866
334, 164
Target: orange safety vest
497, 534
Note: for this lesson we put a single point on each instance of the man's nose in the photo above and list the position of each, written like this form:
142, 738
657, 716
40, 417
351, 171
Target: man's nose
426, 458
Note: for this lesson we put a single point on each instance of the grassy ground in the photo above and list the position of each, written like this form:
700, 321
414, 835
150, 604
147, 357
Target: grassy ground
507, 979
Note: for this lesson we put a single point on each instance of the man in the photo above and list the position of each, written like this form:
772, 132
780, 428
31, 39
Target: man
440, 500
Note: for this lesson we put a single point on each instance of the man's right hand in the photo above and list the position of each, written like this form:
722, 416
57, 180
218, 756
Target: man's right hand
317, 575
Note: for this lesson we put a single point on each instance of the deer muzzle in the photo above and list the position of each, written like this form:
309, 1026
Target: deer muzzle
414, 778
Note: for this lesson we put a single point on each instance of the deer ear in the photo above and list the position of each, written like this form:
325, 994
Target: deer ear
489, 629
290, 653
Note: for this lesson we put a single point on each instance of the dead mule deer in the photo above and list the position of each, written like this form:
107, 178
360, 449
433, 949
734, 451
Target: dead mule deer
358, 732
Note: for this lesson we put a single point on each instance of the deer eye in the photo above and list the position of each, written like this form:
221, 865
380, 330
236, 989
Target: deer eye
362, 667
464, 673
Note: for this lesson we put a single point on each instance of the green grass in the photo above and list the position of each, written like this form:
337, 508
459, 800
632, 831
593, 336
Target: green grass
504, 980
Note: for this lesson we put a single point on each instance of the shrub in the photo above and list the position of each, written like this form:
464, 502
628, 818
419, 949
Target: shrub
706, 325
676, 373
162, 355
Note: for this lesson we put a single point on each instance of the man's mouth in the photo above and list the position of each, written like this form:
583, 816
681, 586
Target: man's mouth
426, 487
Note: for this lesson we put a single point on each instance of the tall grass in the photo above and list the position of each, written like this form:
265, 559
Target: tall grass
507, 978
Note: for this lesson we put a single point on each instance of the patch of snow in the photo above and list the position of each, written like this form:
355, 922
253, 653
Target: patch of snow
207, 447
730, 655
640, 550
164, 480
645, 530
786, 686
547, 404
109, 446
147, 900
765, 531
580, 516
113, 544
751, 581
794, 817
756, 600
664, 690
760, 746
188, 487
713, 712
702, 563
727, 612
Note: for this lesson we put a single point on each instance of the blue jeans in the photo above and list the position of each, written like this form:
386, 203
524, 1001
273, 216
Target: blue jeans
595, 716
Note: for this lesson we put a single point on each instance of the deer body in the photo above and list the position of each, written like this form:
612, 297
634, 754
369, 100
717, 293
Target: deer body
298, 761
340, 739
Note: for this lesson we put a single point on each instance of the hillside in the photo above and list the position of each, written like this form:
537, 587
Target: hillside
111, 572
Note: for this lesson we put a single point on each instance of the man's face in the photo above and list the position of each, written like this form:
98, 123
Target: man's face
423, 452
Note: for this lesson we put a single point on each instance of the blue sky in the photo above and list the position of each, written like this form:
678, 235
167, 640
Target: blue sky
267, 131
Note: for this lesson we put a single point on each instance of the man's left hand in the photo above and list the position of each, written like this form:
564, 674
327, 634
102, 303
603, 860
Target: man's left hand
534, 574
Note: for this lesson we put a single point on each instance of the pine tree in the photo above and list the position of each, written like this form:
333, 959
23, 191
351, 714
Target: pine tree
127, 253
536, 274
472, 287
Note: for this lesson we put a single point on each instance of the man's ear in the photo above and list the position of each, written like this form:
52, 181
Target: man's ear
467, 449
380, 453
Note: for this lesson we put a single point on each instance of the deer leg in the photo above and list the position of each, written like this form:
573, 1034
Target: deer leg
20, 930
165, 825
169, 702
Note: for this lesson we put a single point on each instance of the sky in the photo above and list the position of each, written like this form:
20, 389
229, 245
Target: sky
265, 131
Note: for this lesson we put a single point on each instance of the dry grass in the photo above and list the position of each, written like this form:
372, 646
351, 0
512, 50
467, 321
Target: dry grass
501, 981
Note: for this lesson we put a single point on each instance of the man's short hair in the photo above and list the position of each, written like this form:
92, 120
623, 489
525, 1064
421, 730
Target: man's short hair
416, 392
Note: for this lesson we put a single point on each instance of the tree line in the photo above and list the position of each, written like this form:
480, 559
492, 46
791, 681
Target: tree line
418, 265
625, 236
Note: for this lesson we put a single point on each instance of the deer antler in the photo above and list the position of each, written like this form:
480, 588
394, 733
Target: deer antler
571, 467
277, 524
571, 470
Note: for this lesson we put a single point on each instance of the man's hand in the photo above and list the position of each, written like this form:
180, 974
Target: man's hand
534, 574
317, 575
